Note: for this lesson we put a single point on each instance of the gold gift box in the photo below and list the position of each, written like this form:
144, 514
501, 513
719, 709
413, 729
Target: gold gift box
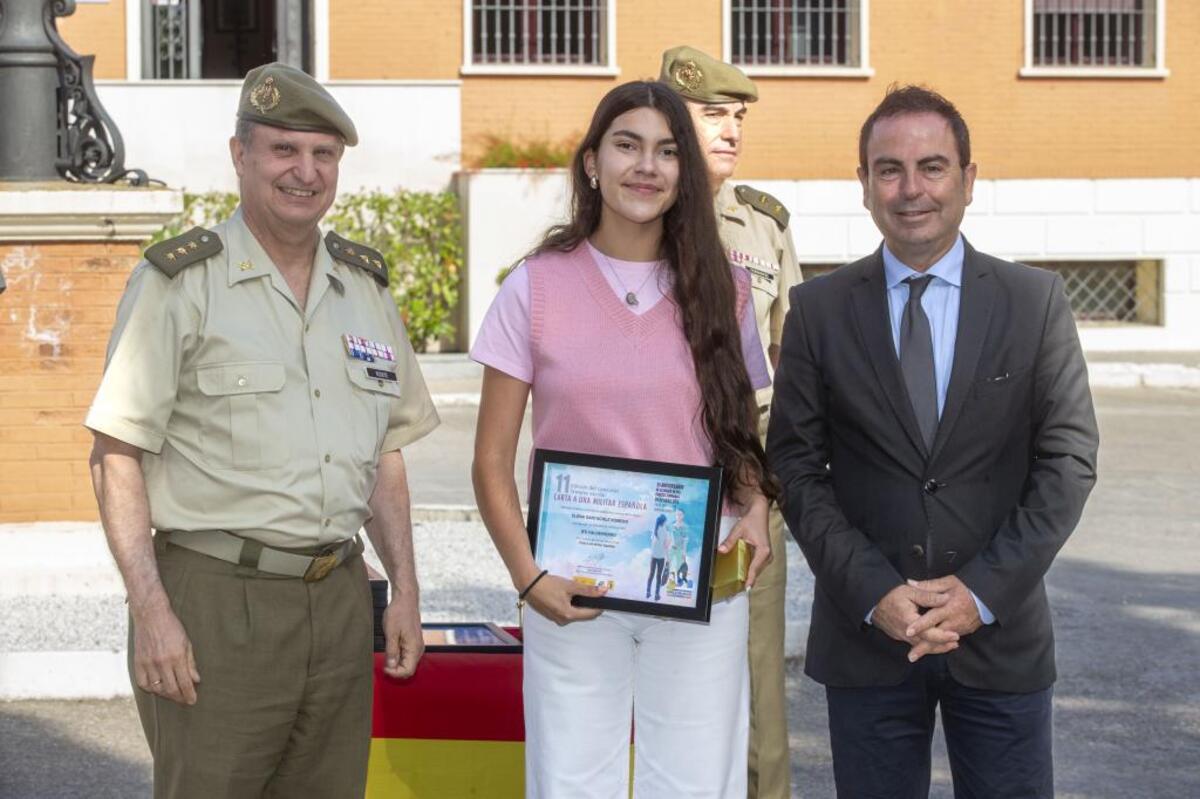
729, 571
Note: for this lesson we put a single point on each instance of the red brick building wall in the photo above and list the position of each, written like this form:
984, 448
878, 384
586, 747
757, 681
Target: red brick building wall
55, 320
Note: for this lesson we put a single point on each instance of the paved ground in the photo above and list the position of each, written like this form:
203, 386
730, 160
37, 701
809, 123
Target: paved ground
1125, 592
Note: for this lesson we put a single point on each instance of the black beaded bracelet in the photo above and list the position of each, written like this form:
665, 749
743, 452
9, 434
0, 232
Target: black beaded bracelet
521, 596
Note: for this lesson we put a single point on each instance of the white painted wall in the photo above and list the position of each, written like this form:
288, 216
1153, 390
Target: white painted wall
1015, 219
178, 131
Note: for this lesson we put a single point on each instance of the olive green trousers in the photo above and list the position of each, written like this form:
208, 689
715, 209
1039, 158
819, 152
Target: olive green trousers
769, 760
284, 701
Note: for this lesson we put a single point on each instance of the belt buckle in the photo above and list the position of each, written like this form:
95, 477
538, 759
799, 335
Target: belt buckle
321, 566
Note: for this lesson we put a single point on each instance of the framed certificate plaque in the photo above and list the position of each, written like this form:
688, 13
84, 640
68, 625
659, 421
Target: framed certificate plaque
646, 531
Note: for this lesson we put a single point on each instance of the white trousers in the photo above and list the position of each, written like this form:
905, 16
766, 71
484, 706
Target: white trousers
685, 685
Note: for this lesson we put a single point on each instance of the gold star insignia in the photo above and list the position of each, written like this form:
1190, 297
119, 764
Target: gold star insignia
170, 256
365, 259
245, 266
350, 252
191, 245
181, 250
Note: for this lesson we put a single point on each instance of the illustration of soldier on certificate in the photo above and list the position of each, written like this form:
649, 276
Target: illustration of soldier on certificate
642, 530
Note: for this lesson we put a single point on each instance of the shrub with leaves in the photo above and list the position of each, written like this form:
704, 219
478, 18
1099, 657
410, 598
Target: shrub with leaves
503, 153
198, 209
419, 233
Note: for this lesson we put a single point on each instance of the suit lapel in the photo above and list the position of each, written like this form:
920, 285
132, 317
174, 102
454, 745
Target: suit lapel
871, 313
974, 314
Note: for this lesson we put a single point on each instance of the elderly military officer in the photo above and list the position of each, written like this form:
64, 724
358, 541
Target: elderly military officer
754, 230
258, 391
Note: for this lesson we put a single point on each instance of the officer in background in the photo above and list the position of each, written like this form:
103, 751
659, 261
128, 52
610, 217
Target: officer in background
754, 229
258, 391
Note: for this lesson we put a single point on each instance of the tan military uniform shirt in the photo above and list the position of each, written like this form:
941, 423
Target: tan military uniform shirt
754, 241
254, 416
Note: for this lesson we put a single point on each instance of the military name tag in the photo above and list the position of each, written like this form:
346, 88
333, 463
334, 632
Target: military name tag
364, 349
381, 374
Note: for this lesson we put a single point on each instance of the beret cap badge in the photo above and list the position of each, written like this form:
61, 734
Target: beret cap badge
688, 76
265, 95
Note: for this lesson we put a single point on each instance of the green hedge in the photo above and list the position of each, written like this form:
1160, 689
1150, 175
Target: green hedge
419, 233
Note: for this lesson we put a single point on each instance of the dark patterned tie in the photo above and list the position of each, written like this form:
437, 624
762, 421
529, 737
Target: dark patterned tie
916, 360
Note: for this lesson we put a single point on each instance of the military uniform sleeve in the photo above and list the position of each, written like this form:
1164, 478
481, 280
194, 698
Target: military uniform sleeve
789, 275
156, 326
412, 415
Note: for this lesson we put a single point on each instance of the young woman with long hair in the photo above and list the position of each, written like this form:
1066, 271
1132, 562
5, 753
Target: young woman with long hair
635, 338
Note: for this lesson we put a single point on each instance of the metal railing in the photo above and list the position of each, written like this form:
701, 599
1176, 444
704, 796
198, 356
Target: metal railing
533, 32
1099, 291
1112, 291
171, 39
795, 32
1094, 33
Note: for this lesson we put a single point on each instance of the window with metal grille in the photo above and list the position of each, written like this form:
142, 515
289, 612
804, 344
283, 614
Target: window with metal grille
796, 33
1111, 291
539, 32
1094, 33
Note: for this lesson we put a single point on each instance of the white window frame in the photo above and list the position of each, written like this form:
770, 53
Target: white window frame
1158, 71
863, 70
610, 68
133, 44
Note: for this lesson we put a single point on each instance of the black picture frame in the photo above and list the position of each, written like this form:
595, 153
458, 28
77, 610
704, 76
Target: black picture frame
618, 523
476, 633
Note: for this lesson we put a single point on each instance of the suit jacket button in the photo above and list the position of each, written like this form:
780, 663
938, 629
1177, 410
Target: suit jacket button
930, 487
918, 551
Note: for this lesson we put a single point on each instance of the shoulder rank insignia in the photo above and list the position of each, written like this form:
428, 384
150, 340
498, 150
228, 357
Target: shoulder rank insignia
358, 255
172, 255
764, 203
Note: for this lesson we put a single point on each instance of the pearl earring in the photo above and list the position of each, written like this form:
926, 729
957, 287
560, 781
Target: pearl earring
595, 182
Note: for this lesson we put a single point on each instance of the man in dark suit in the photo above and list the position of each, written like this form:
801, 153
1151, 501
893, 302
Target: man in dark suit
934, 434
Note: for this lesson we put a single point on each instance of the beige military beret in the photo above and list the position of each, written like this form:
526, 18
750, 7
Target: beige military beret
700, 77
285, 97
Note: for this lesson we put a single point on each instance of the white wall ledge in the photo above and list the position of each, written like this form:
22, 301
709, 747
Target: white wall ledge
1102, 73
71, 212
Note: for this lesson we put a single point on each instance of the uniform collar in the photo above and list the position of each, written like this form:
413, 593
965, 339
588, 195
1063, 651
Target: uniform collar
727, 204
248, 260
949, 267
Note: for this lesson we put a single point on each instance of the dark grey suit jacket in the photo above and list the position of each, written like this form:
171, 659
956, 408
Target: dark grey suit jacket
1011, 467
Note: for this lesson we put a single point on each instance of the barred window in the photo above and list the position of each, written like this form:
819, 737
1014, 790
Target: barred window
1111, 291
796, 33
1126, 292
539, 32
1094, 33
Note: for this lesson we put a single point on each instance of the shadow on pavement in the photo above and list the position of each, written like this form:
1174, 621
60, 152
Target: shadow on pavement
72, 749
1127, 700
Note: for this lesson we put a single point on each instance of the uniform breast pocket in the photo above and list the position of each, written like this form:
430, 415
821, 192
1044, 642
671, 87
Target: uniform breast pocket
239, 432
372, 402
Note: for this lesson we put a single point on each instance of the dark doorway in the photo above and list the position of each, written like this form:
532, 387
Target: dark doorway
223, 39
239, 35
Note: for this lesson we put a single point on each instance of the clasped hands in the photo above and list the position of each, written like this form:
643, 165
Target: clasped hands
949, 609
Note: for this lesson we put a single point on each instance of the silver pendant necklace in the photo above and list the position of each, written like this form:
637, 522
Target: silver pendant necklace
631, 297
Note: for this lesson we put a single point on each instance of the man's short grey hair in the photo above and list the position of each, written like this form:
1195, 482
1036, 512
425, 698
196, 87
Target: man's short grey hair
244, 130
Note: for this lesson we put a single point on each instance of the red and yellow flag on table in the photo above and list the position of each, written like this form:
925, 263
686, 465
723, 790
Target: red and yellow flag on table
455, 729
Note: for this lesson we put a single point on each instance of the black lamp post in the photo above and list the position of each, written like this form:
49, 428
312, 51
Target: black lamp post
52, 125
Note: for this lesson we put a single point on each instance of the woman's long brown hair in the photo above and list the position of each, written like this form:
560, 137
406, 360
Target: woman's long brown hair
702, 285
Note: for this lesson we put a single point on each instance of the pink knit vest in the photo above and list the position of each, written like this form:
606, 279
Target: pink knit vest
605, 381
